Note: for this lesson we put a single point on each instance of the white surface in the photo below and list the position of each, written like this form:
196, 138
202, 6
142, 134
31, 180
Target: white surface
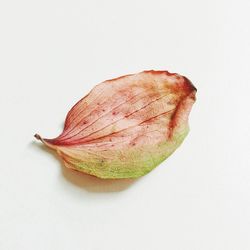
52, 53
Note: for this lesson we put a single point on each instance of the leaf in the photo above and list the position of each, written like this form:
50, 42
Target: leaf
126, 126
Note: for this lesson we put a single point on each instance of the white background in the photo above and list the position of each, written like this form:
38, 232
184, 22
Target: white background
52, 53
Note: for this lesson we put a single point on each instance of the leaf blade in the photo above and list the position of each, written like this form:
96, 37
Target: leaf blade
126, 126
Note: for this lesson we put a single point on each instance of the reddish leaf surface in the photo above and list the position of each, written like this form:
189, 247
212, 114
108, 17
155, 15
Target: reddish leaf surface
126, 126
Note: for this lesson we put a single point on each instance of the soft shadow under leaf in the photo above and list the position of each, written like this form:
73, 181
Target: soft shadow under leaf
88, 182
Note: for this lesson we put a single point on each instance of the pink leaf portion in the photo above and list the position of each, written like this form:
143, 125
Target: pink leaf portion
128, 124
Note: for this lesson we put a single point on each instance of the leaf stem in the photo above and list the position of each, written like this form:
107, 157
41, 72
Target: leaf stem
38, 137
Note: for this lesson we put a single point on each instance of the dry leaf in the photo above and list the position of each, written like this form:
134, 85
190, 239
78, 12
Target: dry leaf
126, 126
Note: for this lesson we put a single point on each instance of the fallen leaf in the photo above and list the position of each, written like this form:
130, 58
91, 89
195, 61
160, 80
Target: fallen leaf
126, 126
